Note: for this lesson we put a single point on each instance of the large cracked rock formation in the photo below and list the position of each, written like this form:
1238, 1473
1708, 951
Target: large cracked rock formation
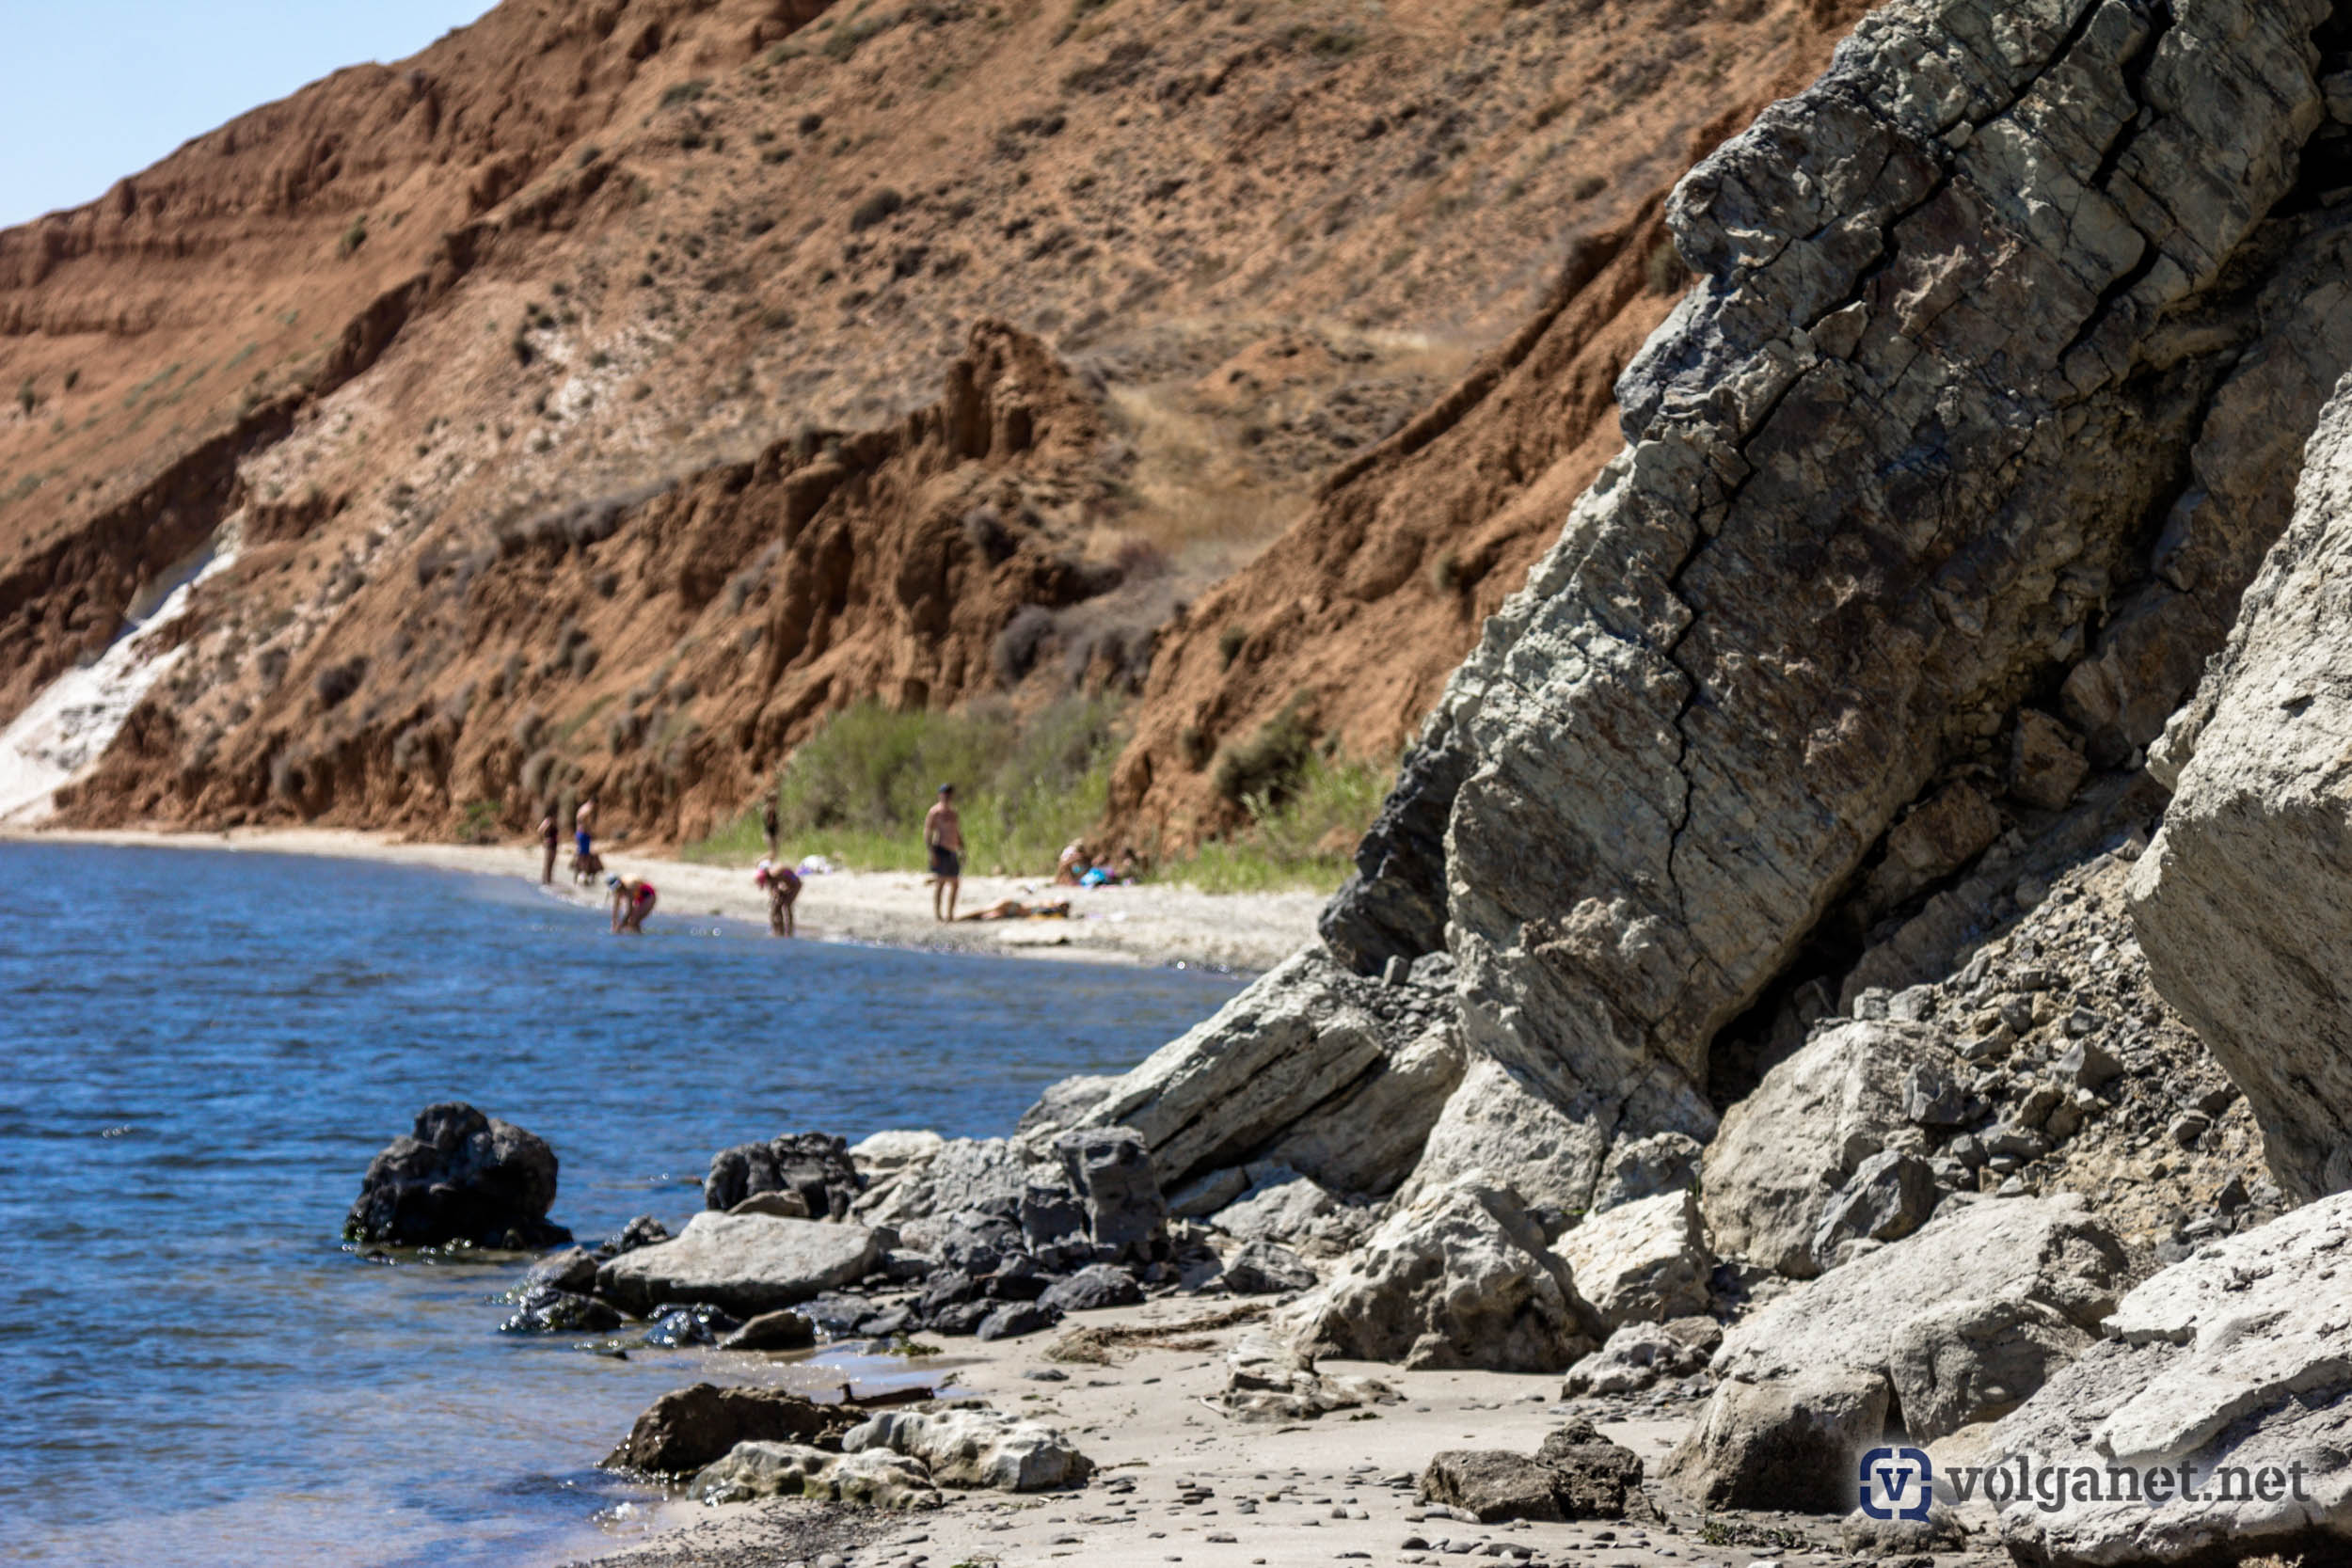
1975, 405
2244, 900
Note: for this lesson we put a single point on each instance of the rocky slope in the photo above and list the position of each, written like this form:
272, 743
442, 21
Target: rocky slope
563, 261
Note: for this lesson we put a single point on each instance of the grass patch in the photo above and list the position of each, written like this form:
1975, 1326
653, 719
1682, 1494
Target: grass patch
856, 791
1305, 840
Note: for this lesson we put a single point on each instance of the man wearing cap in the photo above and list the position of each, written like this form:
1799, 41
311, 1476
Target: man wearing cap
942, 835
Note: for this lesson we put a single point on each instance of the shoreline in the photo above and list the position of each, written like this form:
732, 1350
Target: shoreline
1156, 924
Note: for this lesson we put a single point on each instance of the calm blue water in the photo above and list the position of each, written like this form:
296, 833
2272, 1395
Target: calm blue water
205, 1050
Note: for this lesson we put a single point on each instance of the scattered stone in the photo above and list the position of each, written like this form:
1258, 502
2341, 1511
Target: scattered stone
747, 1264
676, 1326
645, 1230
756, 1469
2045, 762
458, 1177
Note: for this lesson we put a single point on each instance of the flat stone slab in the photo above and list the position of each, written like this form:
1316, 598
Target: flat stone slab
747, 1264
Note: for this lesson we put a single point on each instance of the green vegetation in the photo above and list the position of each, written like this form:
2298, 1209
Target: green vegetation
857, 789
1306, 839
480, 823
355, 236
685, 92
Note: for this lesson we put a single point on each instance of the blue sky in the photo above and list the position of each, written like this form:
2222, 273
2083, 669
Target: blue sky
94, 90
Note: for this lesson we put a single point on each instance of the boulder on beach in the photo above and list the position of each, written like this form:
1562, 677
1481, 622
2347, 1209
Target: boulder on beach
1577, 1474
458, 1177
747, 1264
689, 1428
1950, 1326
974, 1448
1460, 1279
875, 1479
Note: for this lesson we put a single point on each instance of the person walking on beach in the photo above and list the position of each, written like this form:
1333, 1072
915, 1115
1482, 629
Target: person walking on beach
584, 835
767, 824
783, 885
633, 900
942, 835
548, 833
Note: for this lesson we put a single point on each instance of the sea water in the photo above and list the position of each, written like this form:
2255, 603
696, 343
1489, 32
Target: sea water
204, 1050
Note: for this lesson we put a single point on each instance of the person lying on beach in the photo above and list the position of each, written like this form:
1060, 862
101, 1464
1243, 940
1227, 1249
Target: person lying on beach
1014, 909
633, 900
783, 885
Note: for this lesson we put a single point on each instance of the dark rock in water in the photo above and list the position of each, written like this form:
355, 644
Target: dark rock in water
1111, 1170
1096, 1286
459, 1176
548, 1310
1577, 1474
686, 1430
1051, 1212
573, 1269
645, 1230
1015, 1319
678, 1324
1263, 1269
963, 1317
783, 1329
812, 1166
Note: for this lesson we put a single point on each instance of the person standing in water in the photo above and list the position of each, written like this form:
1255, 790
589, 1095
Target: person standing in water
767, 824
583, 833
783, 886
633, 900
942, 835
548, 833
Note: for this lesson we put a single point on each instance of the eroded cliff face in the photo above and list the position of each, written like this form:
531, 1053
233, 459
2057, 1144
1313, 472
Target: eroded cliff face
703, 627
1938, 489
570, 256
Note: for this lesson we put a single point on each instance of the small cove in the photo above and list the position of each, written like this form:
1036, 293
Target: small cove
206, 1050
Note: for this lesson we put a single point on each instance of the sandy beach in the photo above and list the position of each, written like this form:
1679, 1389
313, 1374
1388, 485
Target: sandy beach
1148, 923
1180, 1481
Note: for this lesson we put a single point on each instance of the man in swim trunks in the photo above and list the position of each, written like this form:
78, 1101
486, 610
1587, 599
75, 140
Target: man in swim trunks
783, 885
632, 902
942, 835
583, 828
548, 833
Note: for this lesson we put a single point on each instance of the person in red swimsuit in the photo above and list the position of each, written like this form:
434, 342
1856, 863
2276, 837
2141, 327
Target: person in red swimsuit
633, 900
